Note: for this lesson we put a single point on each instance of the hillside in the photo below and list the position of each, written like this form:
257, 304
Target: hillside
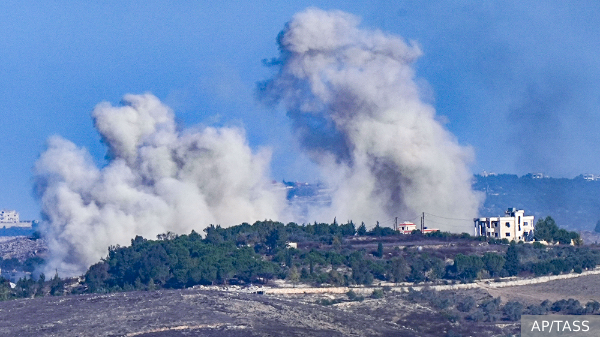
194, 312
573, 203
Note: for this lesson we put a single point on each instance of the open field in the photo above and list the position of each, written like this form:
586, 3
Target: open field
583, 289
194, 312
202, 312
183, 313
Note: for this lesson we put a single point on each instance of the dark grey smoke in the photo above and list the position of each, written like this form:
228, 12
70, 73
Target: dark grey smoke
357, 112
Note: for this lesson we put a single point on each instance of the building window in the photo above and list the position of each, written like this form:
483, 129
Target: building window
525, 223
496, 234
519, 228
508, 224
507, 235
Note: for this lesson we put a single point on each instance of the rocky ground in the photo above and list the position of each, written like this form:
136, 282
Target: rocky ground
195, 312
21, 247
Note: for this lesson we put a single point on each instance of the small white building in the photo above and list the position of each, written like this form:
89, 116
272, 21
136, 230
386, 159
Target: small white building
406, 227
515, 225
591, 177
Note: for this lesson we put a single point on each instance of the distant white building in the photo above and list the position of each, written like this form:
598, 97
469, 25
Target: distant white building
408, 227
488, 174
513, 226
591, 177
7, 216
10, 218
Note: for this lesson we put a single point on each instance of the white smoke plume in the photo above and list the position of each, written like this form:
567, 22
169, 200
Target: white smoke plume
356, 108
157, 180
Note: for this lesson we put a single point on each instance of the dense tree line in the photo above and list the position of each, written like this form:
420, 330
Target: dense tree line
260, 252
547, 230
177, 262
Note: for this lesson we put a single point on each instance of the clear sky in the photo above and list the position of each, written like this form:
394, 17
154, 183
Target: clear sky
517, 80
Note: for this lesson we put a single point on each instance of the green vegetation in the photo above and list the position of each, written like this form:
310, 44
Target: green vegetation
332, 254
547, 230
465, 308
574, 203
258, 253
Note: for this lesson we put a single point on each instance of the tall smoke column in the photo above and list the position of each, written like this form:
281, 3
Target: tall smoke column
356, 109
157, 180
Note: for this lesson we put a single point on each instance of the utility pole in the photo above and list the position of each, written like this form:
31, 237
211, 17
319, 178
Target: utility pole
422, 222
396, 224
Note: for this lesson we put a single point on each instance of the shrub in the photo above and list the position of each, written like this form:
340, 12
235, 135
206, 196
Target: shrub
377, 293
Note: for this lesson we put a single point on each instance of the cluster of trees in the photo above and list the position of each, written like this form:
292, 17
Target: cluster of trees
547, 230
273, 235
27, 265
28, 287
259, 252
177, 262
524, 259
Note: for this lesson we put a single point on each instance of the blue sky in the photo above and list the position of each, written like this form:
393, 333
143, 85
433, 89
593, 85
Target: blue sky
517, 80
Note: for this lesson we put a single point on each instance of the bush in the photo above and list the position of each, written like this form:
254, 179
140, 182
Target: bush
569, 307
467, 304
377, 293
352, 296
512, 310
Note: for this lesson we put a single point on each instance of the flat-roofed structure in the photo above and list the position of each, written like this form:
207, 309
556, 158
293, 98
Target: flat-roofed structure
514, 225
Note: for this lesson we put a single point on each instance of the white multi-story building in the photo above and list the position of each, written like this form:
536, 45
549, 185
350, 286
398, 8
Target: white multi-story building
7, 216
513, 226
10, 218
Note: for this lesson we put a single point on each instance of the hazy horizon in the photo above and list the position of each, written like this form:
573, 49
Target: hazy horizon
515, 81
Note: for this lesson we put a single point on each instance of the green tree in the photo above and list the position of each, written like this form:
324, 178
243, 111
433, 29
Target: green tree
493, 263
276, 240
362, 229
466, 304
57, 286
546, 229
466, 267
398, 269
380, 250
377, 293
512, 265
512, 310
336, 243
293, 276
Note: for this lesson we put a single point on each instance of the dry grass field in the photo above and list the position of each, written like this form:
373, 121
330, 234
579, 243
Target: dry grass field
583, 289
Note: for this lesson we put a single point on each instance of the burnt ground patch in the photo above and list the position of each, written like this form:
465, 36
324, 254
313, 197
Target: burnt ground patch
188, 312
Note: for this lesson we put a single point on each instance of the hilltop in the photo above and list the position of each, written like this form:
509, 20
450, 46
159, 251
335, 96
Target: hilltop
573, 203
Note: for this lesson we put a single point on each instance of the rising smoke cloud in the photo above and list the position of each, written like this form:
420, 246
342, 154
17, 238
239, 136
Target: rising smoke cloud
357, 111
158, 180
